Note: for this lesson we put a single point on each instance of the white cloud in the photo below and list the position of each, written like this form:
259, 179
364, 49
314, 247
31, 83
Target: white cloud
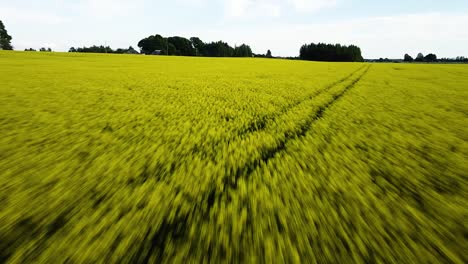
313, 5
192, 2
108, 9
271, 8
237, 8
50, 45
25, 16
252, 8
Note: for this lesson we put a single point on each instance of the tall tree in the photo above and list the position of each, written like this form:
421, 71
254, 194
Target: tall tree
131, 50
243, 51
5, 39
171, 49
430, 57
268, 54
150, 44
218, 49
183, 46
420, 57
198, 45
408, 58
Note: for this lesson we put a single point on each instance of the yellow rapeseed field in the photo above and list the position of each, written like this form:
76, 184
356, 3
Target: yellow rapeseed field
136, 159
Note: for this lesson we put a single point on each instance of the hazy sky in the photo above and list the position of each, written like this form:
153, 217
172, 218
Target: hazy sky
382, 28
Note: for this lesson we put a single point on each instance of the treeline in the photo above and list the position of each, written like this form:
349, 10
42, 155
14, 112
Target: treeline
41, 49
433, 58
267, 55
194, 46
103, 49
421, 58
330, 52
459, 59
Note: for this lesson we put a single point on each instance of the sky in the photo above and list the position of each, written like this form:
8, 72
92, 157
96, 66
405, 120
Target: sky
382, 28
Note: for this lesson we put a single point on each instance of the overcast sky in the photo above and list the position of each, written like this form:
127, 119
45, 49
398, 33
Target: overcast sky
382, 28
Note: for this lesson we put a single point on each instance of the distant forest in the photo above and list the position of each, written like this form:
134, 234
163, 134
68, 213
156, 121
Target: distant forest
433, 58
194, 46
330, 52
420, 58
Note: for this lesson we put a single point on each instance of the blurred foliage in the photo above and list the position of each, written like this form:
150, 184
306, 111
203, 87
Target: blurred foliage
135, 159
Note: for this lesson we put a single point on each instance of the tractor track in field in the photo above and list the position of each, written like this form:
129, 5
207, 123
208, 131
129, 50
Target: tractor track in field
263, 122
177, 230
269, 153
242, 134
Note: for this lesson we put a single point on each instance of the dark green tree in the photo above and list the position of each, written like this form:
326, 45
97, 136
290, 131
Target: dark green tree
198, 45
268, 54
408, 58
218, 49
243, 51
131, 50
183, 46
419, 58
430, 58
5, 39
171, 49
152, 43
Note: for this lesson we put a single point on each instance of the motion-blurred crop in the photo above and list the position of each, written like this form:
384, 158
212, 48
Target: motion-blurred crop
135, 159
